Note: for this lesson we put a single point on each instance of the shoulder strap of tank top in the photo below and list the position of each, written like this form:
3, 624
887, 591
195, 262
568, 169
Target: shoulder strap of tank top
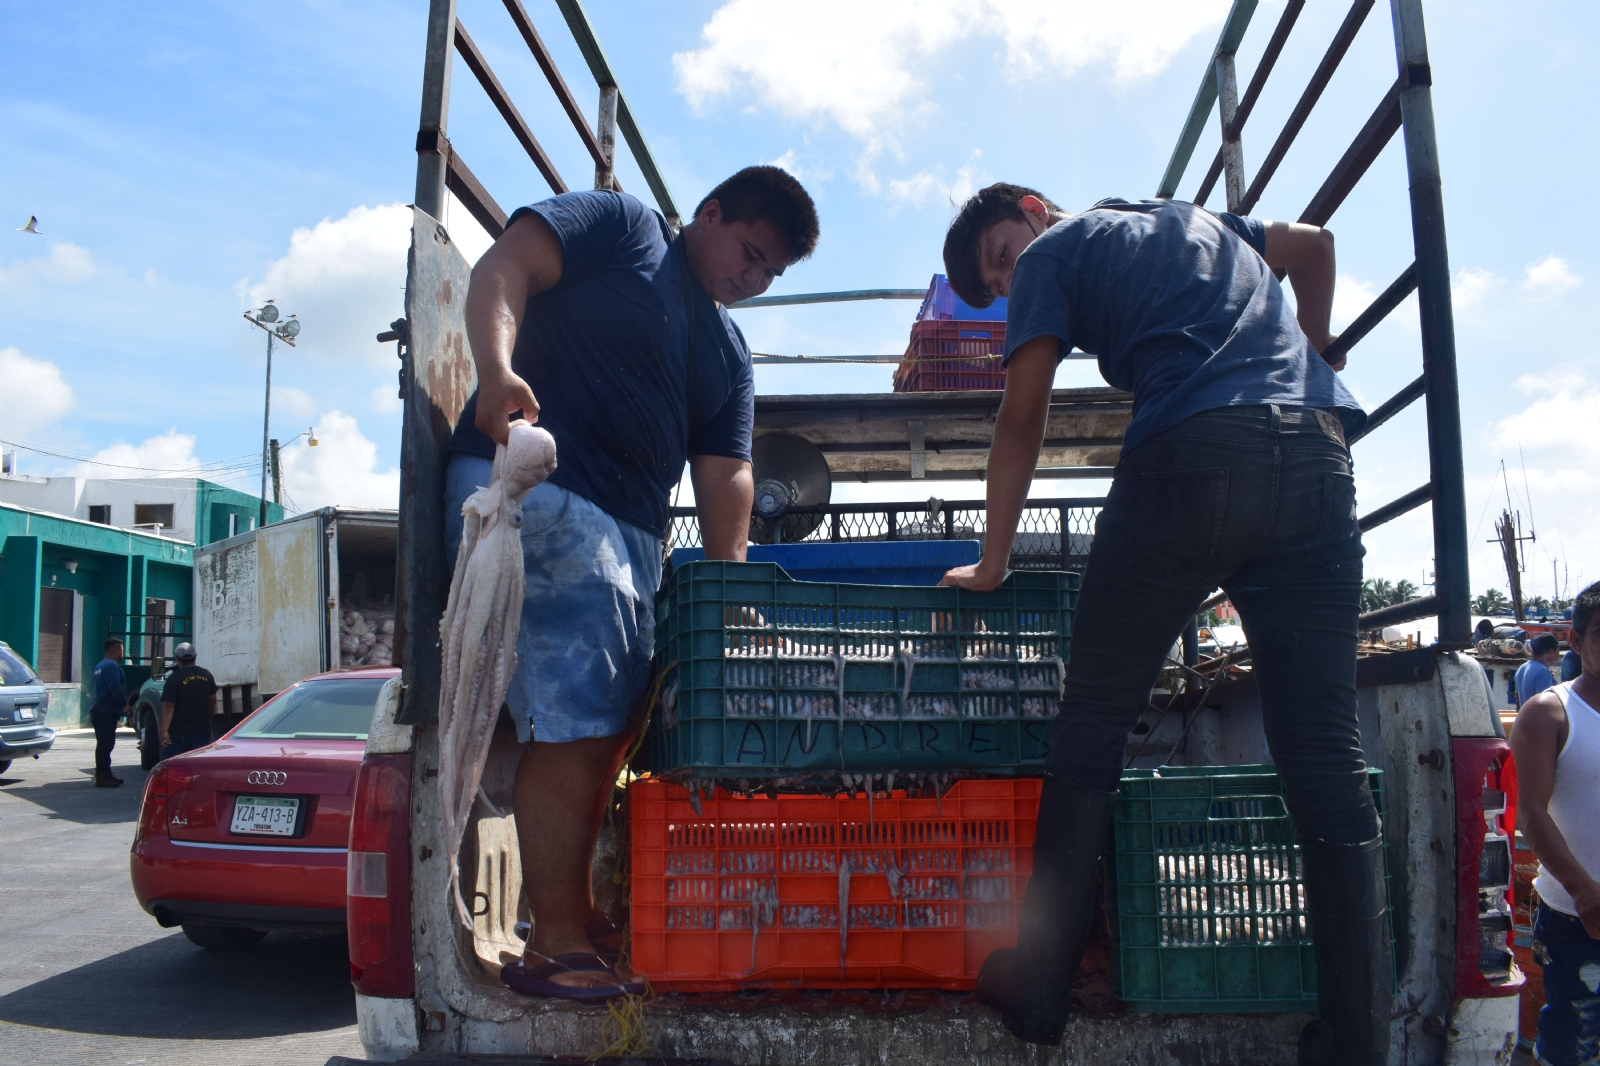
681, 247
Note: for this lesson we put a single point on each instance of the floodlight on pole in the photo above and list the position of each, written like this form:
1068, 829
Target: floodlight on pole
286, 332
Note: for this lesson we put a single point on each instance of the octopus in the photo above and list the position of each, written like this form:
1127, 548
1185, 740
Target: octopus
479, 629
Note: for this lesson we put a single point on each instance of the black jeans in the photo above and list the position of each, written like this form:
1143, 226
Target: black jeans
1259, 501
105, 738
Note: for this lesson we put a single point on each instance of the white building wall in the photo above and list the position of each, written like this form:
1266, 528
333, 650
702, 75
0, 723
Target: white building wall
73, 496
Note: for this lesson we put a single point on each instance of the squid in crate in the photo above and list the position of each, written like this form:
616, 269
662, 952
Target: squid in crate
479, 630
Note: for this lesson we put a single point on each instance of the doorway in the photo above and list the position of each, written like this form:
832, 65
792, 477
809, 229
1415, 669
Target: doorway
55, 636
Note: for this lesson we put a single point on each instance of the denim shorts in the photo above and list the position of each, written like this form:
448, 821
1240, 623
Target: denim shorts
589, 614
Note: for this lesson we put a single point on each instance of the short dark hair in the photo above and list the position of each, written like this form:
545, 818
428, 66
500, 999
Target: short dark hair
771, 193
999, 202
1543, 644
1584, 606
112, 642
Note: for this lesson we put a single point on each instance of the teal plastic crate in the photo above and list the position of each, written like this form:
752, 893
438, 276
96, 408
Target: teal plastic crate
1208, 912
767, 677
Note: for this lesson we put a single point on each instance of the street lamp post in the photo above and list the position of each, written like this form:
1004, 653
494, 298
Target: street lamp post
285, 331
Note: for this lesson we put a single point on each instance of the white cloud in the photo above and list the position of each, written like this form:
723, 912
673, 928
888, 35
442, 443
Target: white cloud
342, 469
1549, 278
790, 161
1473, 285
345, 278
66, 263
1350, 297
35, 394
932, 187
864, 66
385, 400
171, 454
290, 402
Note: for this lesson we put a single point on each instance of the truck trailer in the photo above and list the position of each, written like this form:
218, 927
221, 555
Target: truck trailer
426, 987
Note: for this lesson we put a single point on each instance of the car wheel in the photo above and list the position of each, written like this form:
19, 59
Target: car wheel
149, 740
223, 937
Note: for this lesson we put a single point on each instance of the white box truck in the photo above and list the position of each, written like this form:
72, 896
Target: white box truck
275, 605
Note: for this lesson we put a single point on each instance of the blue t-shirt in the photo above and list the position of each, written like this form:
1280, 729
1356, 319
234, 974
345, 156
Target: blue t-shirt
606, 352
1179, 307
110, 689
1571, 666
1533, 677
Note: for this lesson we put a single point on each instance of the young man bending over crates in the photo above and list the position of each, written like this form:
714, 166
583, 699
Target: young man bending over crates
580, 318
1234, 473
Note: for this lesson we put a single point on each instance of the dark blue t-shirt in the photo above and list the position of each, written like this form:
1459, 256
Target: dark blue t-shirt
110, 690
1180, 309
606, 352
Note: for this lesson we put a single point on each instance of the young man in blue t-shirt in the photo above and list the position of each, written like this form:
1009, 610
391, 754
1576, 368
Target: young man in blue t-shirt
591, 318
1234, 472
110, 704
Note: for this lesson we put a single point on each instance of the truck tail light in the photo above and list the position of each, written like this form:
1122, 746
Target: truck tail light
1485, 822
378, 878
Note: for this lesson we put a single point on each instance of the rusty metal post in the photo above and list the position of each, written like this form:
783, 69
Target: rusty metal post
605, 172
1228, 111
1442, 386
433, 150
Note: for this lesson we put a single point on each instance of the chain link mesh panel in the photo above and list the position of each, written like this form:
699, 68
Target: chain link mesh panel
1052, 535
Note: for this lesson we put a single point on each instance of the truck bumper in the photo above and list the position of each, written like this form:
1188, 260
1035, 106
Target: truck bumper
1483, 1032
388, 1027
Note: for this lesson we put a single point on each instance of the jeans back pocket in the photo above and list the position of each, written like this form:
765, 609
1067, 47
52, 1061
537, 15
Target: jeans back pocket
1177, 519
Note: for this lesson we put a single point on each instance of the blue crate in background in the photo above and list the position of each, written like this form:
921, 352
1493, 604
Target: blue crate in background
881, 562
768, 677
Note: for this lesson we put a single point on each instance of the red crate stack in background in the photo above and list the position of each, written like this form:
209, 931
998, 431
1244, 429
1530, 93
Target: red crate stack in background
953, 355
954, 346
748, 892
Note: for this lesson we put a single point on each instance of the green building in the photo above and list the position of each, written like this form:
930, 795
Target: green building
83, 558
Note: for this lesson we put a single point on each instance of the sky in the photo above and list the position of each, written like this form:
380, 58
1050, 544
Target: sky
188, 161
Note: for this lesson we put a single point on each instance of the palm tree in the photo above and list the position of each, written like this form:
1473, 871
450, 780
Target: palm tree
1492, 602
1404, 592
1376, 592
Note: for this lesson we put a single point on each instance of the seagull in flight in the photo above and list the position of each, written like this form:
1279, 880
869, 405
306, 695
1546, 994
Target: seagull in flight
31, 227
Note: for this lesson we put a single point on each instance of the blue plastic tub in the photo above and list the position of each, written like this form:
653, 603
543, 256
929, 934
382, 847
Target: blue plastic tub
942, 303
884, 562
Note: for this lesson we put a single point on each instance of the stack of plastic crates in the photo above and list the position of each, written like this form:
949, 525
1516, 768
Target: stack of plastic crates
806, 891
767, 679
1208, 909
952, 355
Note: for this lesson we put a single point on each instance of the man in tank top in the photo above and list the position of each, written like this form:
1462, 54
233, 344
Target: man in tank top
1557, 745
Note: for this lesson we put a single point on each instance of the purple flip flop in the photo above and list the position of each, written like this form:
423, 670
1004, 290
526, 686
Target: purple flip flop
537, 981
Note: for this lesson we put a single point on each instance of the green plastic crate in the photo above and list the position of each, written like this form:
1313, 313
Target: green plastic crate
765, 676
1209, 911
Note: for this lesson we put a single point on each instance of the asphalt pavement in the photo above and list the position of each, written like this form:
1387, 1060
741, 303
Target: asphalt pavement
87, 977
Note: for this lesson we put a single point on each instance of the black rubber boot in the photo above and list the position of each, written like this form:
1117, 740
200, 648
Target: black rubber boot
1346, 899
1030, 983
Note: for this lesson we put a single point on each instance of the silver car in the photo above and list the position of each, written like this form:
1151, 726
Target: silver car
23, 703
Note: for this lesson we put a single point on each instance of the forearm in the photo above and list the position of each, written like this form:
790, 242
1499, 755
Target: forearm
1313, 295
1014, 453
723, 491
1554, 854
1306, 253
166, 716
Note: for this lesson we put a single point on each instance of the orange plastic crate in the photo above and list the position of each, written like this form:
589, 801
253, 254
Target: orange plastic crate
748, 893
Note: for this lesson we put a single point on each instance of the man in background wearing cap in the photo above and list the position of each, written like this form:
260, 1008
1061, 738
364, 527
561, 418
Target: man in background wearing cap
187, 703
1538, 673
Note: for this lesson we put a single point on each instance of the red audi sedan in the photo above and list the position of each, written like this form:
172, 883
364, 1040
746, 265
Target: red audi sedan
249, 834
